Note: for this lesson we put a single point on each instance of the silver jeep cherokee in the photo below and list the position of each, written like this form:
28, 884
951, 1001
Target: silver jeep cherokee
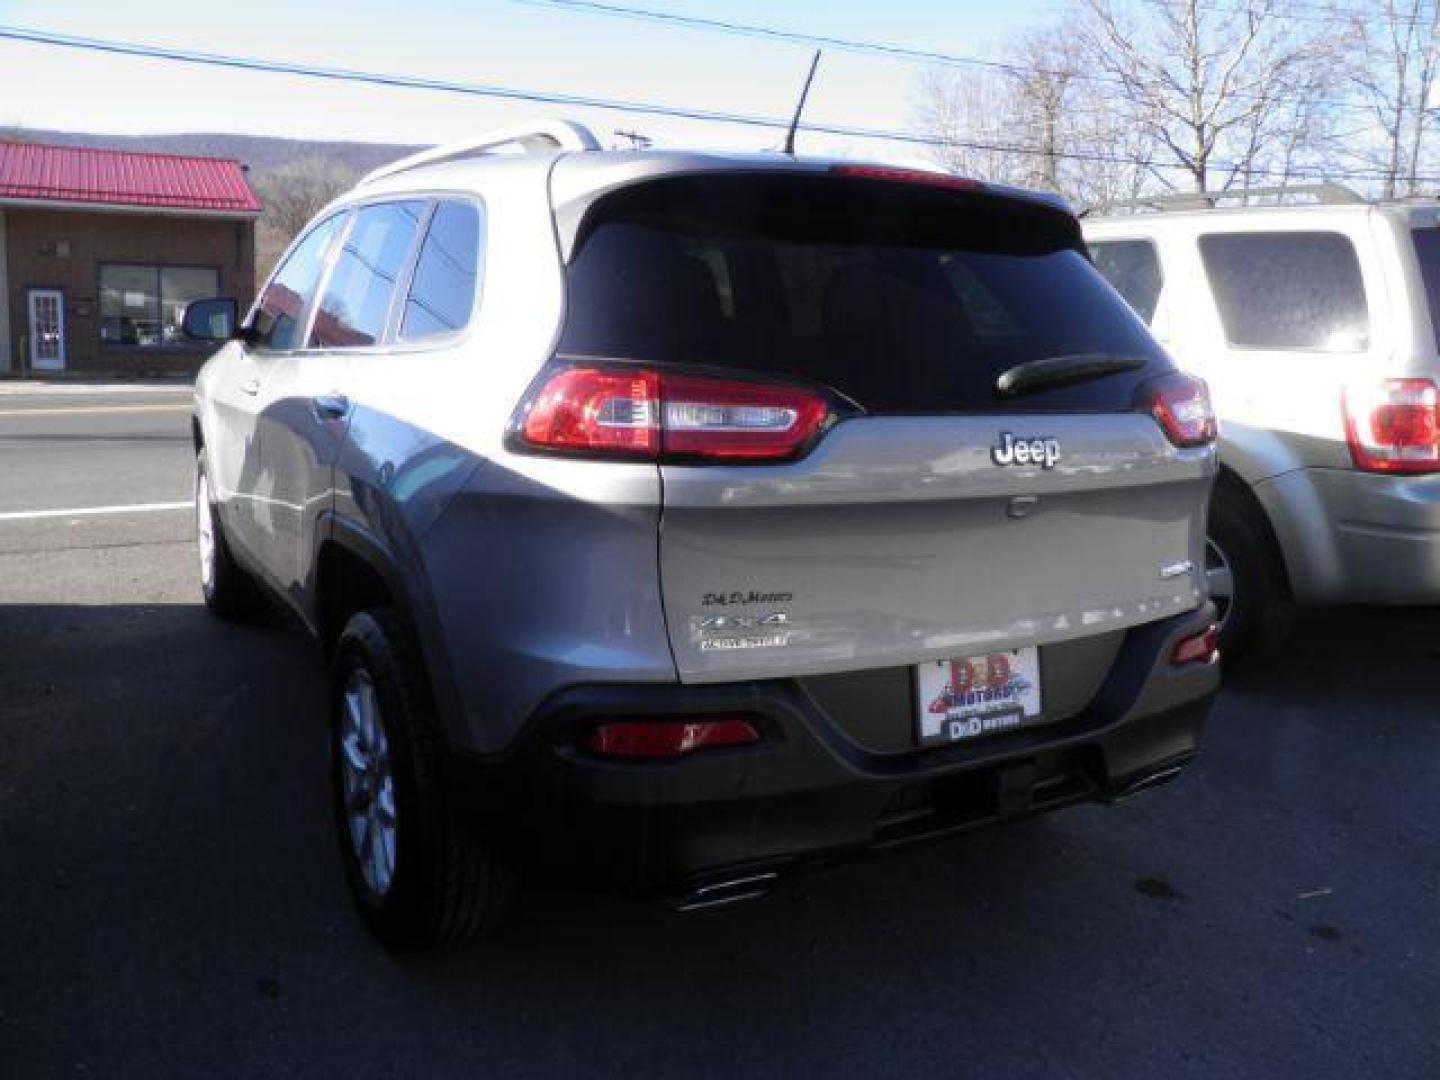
675, 520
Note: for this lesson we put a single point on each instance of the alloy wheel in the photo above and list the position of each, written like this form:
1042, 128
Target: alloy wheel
1220, 579
368, 785
205, 532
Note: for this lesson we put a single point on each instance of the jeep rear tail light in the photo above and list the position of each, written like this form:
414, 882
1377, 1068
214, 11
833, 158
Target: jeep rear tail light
1394, 427
1181, 406
654, 739
603, 412
654, 416
717, 418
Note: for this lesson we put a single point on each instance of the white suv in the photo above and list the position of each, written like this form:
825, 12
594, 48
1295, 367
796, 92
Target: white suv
1315, 326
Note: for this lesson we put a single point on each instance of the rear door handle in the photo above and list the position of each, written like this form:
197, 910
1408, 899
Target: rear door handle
251, 387
333, 406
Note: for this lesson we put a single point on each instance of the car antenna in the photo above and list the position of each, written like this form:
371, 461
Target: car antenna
789, 147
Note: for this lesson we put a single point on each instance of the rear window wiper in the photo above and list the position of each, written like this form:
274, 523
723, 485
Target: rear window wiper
1054, 371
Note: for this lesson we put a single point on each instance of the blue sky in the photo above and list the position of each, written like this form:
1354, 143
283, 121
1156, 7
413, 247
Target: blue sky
489, 41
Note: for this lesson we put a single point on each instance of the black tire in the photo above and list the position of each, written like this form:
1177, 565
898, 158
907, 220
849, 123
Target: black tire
1261, 610
228, 590
446, 885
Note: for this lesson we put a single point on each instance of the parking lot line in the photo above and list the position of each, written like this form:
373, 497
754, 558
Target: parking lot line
91, 511
75, 410
42, 388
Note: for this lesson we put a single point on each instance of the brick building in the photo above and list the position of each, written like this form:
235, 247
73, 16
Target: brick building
100, 250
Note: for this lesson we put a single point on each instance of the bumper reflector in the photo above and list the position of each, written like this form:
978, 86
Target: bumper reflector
1202, 648
669, 738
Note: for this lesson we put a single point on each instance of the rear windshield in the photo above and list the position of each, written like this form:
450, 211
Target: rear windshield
901, 297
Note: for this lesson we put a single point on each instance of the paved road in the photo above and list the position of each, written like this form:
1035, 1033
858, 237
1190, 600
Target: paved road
171, 903
71, 450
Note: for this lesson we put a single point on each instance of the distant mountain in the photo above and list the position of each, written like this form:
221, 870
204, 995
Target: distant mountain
260, 152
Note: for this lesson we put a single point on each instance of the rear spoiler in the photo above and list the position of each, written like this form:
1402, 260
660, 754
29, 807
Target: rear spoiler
1007, 219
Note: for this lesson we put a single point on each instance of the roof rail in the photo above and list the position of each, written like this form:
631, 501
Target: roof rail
1326, 194
531, 138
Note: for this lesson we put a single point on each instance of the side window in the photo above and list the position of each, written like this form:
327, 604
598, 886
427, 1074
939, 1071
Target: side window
278, 315
448, 274
356, 305
1133, 269
1291, 290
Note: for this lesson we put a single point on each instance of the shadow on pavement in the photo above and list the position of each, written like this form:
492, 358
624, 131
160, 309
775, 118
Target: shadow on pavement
171, 902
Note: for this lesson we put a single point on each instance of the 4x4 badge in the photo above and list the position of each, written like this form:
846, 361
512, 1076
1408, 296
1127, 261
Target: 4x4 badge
1043, 451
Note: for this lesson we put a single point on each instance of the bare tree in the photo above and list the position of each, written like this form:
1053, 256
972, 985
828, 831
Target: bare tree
1033, 120
972, 117
1110, 155
1124, 96
1211, 86
294, 193
1396, 63
1045, 70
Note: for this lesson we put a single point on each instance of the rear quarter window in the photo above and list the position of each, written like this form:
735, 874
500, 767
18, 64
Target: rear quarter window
1132, 267
447, 274
904, 301
1288, 290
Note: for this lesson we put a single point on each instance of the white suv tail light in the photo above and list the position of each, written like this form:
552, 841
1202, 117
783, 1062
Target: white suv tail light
1394, 426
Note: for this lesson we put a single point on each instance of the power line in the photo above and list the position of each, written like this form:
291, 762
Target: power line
852, 45
645, 108
1321, 13
511, 93
789, 37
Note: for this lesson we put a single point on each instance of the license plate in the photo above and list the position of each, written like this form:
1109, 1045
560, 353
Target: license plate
977, 695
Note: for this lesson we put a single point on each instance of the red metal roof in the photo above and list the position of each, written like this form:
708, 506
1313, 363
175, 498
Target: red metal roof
123, 178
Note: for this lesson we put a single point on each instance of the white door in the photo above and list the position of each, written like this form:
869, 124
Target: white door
47, 330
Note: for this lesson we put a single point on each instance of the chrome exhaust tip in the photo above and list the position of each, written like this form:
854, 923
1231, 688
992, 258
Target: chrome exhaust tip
724, 891
1149, 780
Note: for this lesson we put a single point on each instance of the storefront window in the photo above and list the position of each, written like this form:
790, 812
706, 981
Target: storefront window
142, 305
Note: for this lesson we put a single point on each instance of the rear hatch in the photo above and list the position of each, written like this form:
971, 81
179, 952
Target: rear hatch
931, 516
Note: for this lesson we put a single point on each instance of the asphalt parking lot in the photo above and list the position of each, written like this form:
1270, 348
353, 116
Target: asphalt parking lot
171, 903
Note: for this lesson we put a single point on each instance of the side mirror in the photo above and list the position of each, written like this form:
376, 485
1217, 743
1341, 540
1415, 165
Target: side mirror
210, 320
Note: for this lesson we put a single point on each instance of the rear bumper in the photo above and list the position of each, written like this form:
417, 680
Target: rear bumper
808, 792
1355, 537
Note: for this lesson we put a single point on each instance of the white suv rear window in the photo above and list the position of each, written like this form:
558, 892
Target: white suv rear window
1288, 290
1133, 269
